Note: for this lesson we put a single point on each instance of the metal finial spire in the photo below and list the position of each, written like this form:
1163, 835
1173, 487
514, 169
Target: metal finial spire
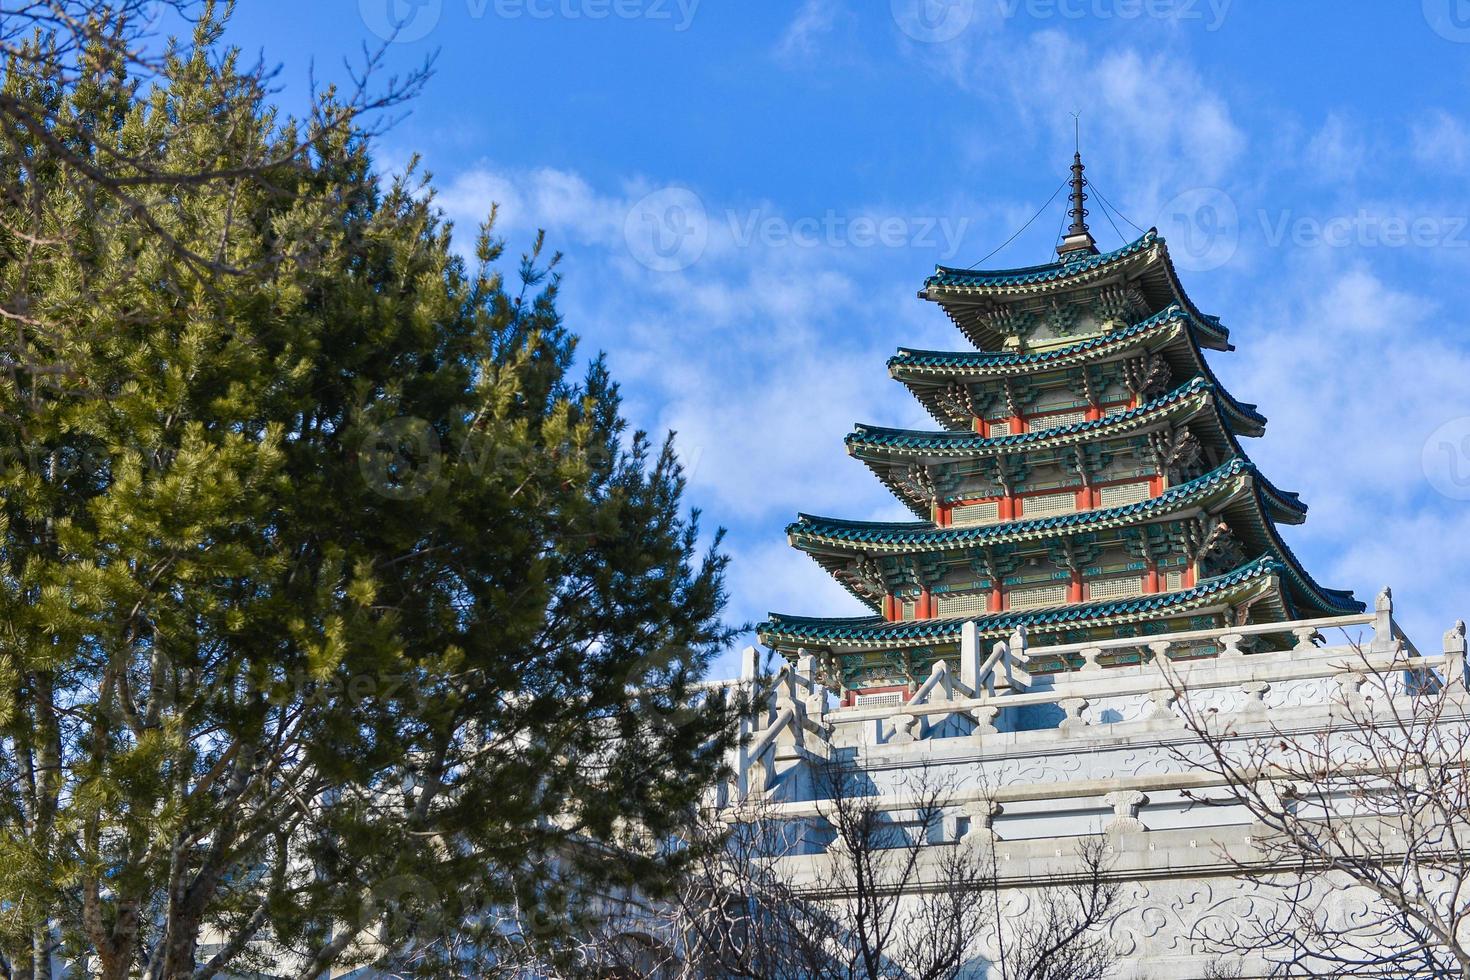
1078, 241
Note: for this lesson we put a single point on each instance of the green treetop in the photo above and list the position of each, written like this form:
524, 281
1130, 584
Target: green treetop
333, 608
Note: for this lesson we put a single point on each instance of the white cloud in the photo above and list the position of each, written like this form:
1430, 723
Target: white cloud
1441, 142
1152, 110
1336, 152
812, 22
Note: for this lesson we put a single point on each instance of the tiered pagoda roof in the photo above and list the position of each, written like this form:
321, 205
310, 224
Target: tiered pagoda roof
1088, 480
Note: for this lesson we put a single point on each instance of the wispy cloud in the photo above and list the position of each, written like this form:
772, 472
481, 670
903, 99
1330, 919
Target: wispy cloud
1442, 142
812, 23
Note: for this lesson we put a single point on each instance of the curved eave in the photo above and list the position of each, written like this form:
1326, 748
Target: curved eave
942, 367
1146, 257
1171, 330
1304, 591
949, 277
1257, 578
829, 535
879, 444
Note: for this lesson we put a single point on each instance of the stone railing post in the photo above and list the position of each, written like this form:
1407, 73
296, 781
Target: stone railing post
1383, 640
970, 656
815, 699
1454, 655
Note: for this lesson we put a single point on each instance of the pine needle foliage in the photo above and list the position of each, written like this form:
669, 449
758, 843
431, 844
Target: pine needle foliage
337, 614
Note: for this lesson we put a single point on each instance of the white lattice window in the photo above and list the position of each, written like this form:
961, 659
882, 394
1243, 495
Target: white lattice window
1114, 410
1037, 596
1115, 588
967, 515
1058, 420
885, 700
907, 611
1052, 503
1000, 428
962, 604
1173, 581
1122, 494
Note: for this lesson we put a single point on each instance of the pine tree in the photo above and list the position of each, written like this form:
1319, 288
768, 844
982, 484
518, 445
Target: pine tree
334, 608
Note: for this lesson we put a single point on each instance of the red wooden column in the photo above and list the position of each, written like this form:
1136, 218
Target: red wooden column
1156, 486
925, 604
1007, 508
1074, 588
997, 598
890, 611
1151, 582
1094, 412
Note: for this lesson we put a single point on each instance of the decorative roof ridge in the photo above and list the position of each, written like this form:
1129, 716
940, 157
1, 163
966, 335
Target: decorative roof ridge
1168, 314
805, 519
944, 628
1236, 466
1046, 270
1054, 271
1193, 386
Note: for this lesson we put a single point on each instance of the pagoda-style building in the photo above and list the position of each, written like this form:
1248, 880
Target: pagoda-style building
1086, 481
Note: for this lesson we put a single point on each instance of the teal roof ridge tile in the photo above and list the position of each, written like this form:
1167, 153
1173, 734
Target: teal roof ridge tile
935, 358
926, 439
950, 276
877, 628
930, 533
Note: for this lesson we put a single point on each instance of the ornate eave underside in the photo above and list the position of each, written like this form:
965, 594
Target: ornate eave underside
825, 535
882, 447
910, 364
1256, 583
929, 374
1235, 492
967, 295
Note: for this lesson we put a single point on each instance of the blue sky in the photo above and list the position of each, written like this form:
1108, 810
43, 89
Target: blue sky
749, 196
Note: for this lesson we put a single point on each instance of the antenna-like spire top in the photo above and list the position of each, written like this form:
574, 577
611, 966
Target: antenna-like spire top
1078, 241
